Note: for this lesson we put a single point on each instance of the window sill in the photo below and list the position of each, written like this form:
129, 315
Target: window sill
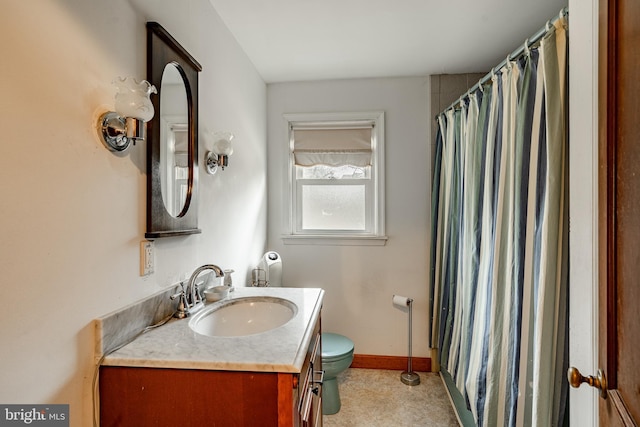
335, 240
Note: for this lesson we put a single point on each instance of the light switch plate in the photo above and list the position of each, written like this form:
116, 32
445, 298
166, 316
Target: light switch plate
147, 257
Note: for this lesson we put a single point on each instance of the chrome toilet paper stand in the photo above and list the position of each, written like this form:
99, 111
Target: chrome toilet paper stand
409, 377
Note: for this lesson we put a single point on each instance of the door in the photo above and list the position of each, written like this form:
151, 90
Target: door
619, 214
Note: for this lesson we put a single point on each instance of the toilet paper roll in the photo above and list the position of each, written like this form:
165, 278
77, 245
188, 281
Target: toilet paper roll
400, 301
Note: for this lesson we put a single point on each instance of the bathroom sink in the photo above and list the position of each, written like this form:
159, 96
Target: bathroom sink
243, 316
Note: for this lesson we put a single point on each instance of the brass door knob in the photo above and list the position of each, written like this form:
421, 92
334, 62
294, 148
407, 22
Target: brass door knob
599, 381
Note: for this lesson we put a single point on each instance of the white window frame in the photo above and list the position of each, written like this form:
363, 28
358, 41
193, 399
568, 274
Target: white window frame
375, 235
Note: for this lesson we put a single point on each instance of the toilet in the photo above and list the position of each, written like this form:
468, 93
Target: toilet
337, 355
337, 350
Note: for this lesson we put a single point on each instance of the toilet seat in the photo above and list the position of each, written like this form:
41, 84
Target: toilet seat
335, 347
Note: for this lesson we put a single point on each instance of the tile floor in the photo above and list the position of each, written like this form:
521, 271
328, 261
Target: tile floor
377, 398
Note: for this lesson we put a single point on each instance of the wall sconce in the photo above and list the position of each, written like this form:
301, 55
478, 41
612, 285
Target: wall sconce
133, 109
220, 152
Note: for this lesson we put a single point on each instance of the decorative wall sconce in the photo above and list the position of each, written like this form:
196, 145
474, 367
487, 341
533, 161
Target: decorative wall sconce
133, 109
220, 151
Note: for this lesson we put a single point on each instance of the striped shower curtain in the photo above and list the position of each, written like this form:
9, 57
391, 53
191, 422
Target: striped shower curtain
499, 241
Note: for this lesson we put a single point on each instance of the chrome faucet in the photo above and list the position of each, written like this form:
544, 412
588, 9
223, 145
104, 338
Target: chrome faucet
193, 296
190, 298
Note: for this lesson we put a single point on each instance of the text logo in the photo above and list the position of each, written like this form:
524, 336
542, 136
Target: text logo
34, 415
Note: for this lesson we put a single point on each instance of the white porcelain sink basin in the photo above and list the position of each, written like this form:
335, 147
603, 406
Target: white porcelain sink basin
243, 316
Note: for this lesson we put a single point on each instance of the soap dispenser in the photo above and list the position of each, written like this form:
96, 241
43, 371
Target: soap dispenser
227, 279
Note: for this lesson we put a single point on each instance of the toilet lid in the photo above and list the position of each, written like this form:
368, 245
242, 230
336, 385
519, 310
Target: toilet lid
335, 345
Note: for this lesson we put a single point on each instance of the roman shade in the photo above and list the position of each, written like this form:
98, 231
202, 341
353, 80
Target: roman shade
332, 146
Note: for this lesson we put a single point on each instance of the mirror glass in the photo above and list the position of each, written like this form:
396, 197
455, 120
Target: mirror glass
174, 141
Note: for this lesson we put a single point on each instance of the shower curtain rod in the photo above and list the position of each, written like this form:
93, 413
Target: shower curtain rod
531, 41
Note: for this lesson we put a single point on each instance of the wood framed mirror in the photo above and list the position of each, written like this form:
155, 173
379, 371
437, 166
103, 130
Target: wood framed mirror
172, 137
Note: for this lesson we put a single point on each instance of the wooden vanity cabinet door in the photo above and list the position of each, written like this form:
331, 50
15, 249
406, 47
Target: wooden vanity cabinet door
318, 376
310, 400
140, 397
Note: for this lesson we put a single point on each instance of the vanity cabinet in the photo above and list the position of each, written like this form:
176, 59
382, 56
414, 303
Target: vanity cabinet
308, 403
141, 396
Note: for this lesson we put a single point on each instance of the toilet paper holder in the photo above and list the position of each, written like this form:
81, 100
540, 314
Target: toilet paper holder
259, 278
408, 377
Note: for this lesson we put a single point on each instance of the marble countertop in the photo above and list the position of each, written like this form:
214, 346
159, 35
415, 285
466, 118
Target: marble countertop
282, 349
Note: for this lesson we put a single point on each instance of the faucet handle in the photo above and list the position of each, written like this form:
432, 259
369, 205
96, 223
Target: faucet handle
183, 307
198, 292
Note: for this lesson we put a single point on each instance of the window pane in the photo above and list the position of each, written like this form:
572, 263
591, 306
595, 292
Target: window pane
333, 207
333, 172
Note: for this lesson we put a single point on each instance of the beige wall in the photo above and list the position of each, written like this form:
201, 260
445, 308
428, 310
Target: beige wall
73, 213
360, 280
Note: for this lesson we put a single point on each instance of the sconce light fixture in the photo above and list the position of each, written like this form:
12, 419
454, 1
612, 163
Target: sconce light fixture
133, 109
220, 152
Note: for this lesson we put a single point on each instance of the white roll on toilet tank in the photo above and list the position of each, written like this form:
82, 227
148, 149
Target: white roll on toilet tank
271, 263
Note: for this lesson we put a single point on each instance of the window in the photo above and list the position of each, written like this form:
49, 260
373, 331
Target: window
336, 188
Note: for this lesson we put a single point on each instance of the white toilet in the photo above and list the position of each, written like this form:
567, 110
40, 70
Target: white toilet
337, 350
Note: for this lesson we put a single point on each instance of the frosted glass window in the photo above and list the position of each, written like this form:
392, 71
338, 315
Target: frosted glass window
333, 207
336, 178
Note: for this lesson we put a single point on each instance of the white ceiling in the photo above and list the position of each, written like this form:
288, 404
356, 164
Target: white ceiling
295, 40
